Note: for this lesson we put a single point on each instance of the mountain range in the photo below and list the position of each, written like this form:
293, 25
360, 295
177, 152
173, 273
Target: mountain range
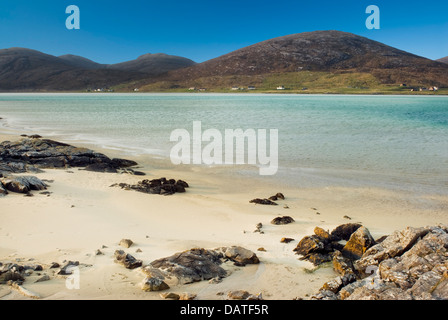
29, 70
319, 52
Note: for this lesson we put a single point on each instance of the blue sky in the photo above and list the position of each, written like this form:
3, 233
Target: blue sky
116, 31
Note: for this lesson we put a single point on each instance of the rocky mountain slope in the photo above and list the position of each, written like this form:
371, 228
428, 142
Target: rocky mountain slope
320, 51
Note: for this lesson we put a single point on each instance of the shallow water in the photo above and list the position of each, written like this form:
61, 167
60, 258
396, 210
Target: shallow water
397, 142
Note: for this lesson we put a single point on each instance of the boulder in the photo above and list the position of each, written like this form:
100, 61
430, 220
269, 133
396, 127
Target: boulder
241, 256
126, 243
154, 280
23, 184
11, 275
192, 265
282, 220
359, 242
128, 261
154, 284
30, 153
342, 265
309, 244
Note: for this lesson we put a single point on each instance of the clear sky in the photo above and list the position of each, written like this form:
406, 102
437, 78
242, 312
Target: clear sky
116, 31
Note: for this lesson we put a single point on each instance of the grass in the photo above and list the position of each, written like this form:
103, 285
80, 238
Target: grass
304, 82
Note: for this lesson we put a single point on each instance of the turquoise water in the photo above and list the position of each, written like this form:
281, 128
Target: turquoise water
385, 141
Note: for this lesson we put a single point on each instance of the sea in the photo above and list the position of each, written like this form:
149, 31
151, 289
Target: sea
373, 141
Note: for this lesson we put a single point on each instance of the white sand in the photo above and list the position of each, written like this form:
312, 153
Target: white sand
83, 213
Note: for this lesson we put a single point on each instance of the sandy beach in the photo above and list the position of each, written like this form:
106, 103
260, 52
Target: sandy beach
84, 213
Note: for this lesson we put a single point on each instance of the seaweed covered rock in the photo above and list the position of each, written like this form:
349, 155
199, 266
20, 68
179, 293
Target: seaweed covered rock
162, 186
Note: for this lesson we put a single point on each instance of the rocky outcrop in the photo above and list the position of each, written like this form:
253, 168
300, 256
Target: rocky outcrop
319, 247
200, 264
411, 264
193, 265
162, 186
31, 154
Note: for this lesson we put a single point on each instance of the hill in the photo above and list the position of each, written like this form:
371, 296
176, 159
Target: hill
24, 69
153, 64
443, 60
81, 62
332, 52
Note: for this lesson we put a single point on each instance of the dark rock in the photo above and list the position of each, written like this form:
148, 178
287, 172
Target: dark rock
23, 184
263, 201
280, 196
3, 191
282, 220
182, 183
127, 260
156, 186
66, 269
11, 276
123, 163
34, 267
43, 278
192, 265
344, 231
286, 240
101, 167
31, 153
318, 258
310, 244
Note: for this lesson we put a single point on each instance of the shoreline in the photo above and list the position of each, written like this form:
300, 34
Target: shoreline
83, 213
